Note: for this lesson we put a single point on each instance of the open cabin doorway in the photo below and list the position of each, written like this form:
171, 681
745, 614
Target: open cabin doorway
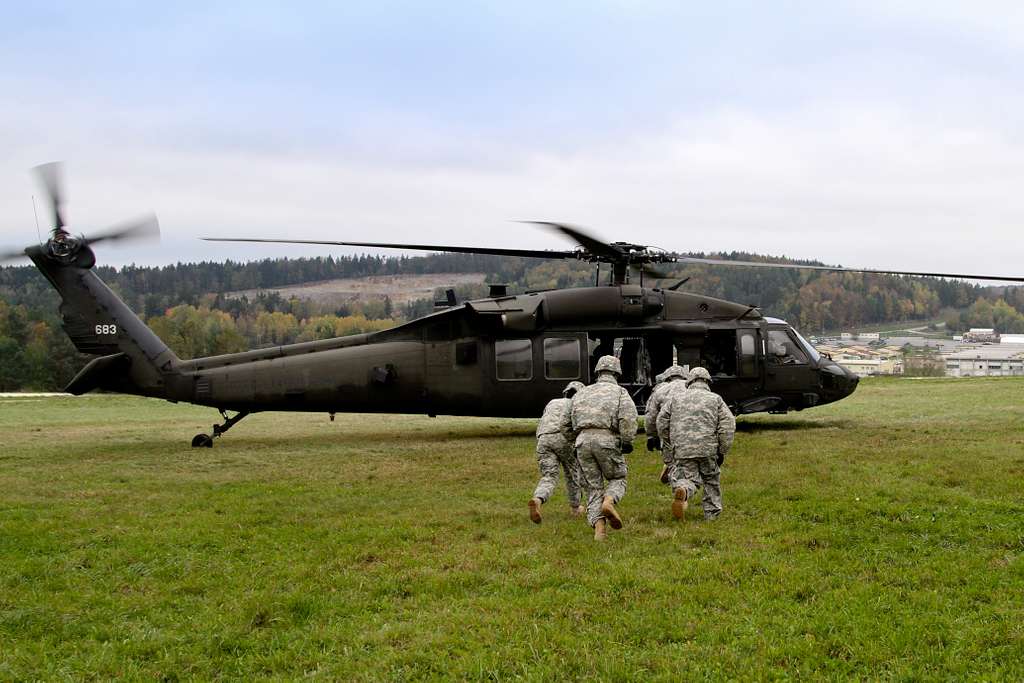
641, 355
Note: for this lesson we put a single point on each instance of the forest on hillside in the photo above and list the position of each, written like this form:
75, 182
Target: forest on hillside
185, 303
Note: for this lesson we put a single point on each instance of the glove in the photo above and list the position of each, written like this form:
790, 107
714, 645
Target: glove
653, 443
720, 459
627, 447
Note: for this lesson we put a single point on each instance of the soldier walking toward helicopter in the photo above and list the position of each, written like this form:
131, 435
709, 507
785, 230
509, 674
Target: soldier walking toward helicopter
699, 429
554, 450
670, 380
604, 420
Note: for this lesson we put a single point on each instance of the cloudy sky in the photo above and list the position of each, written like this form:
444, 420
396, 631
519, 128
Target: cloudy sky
879, 134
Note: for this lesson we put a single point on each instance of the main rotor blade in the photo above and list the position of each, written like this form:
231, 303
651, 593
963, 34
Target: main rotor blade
140, 228
587, 241
840, 269
528, 253
51, 176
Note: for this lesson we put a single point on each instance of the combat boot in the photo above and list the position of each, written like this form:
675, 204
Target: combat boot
535, 504
577, 511
600, 533
610, 513
679, 503
665, 474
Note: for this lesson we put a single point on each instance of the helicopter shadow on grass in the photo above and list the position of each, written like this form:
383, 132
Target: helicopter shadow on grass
787, 425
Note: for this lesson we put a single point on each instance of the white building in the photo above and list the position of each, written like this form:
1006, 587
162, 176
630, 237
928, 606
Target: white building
860, 336
986, 361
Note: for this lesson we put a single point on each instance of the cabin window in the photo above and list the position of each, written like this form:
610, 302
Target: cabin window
561, 358
783, 349
514, 359
748, 353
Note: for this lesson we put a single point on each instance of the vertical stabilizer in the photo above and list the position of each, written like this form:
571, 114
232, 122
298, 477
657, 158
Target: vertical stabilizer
100, 324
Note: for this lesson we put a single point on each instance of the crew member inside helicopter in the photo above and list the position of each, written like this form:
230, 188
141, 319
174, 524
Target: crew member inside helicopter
782, 350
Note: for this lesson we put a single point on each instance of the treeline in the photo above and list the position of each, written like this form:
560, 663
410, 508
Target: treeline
194, 332
34, 353
150, 290
187, 306
1004, 314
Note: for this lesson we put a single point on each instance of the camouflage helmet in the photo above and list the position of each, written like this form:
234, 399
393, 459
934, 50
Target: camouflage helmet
571, 388
699, 375
660, 377
608, 364
673, 372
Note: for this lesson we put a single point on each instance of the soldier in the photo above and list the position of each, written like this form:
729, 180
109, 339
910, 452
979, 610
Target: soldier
554, 448
604, 420
668, 381
699, 429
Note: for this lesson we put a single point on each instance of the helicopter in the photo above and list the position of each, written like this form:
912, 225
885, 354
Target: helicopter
504, 355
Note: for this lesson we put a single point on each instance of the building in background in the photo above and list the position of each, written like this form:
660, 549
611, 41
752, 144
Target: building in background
860, 336
865, 361
987, 361
975, 355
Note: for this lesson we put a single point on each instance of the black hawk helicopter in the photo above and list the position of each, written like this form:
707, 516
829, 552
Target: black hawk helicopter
505, 355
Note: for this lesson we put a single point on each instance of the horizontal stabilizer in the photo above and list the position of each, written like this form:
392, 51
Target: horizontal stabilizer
102, 372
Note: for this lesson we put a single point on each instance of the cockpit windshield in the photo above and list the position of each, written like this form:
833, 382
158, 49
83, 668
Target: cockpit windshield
811, 351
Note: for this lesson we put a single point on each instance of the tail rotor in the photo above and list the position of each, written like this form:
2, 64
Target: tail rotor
67, 248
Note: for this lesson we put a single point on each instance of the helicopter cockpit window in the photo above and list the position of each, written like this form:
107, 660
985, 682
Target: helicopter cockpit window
784, 350
808, 347
513, 359
561, 358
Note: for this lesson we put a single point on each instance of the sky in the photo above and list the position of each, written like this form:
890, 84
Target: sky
871, 133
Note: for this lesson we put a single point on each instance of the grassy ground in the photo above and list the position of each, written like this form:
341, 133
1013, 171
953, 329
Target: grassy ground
881, 537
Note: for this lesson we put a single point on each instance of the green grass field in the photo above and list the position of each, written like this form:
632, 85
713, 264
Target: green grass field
881, 537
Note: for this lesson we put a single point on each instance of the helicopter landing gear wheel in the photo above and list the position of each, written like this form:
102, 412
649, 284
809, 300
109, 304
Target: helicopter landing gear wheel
206, 440
202, 441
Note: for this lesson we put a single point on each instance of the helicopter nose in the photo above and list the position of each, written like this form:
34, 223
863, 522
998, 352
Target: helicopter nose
852, 381
837, 381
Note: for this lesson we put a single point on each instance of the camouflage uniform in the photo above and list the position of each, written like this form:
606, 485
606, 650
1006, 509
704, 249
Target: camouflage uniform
604, 420
554, 449
700, 430
668, 384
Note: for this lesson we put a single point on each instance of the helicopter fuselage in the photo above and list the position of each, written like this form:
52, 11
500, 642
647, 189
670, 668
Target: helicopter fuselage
508, 356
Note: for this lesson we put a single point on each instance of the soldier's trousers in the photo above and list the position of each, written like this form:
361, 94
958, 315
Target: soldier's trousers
668, 457
603, 468
553, 451
688, 474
